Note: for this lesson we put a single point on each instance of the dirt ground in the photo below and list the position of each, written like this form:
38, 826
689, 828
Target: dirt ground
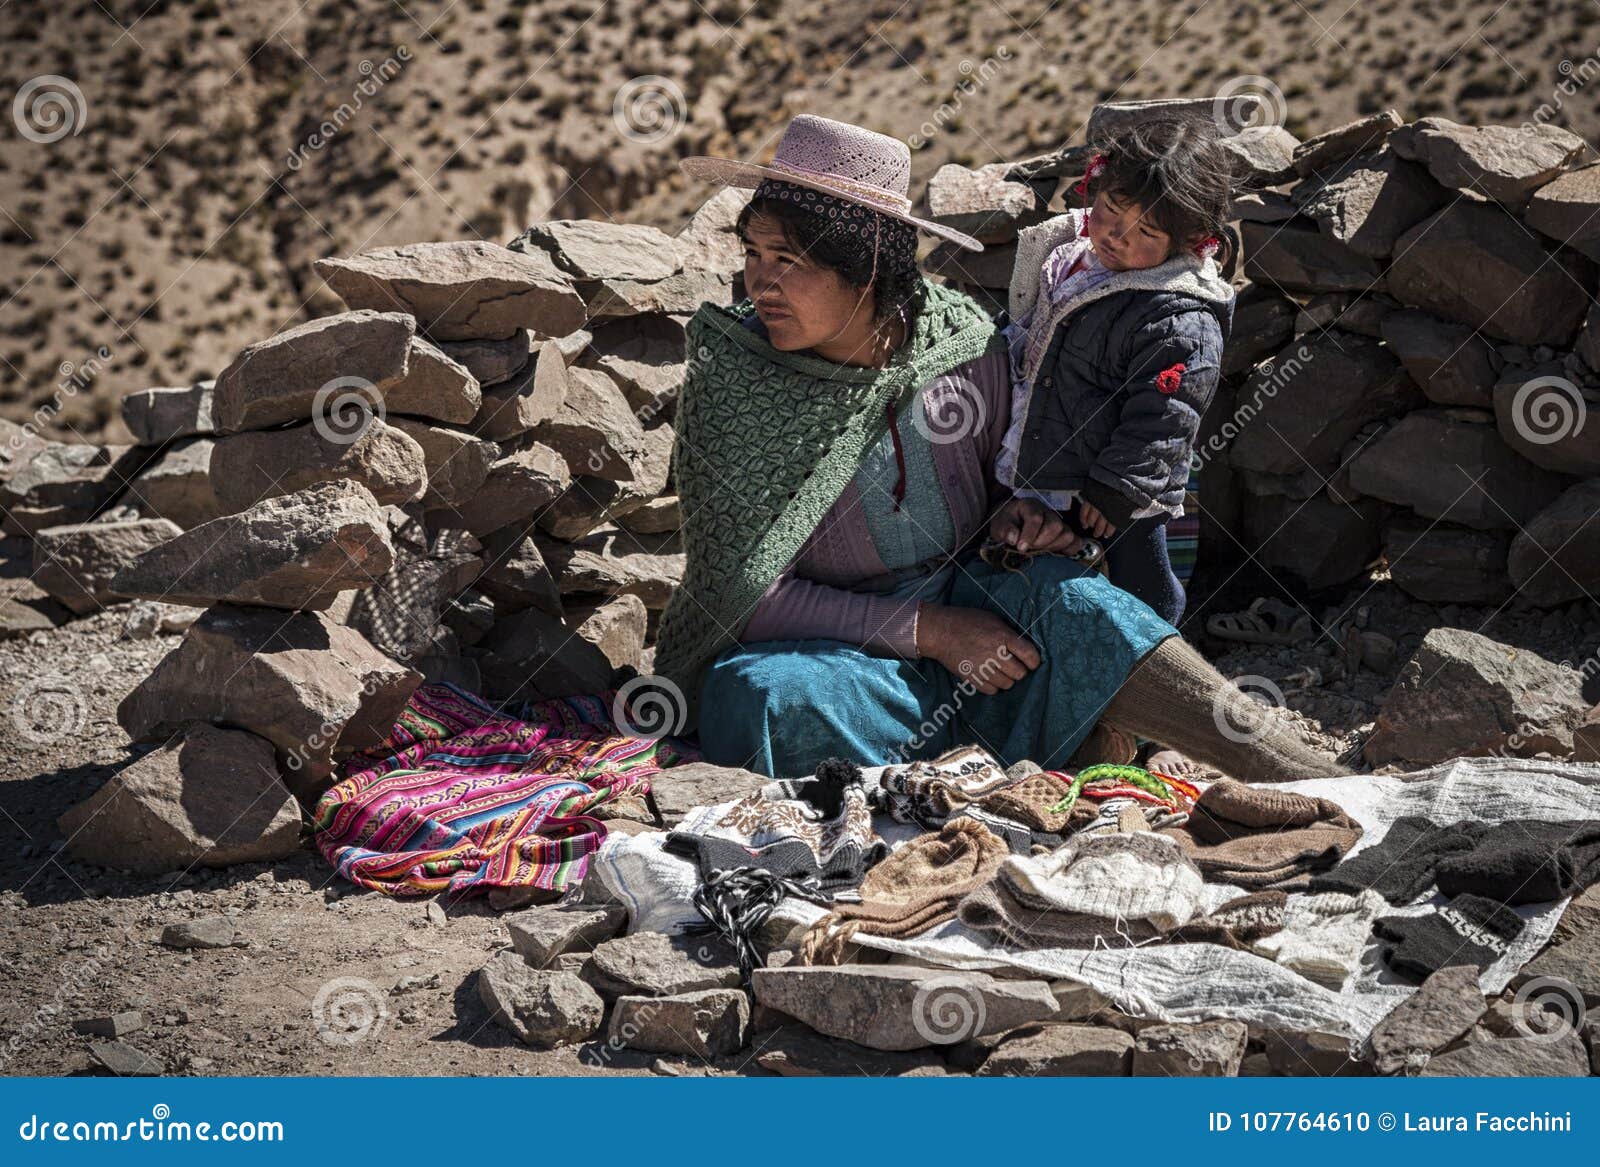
326, 979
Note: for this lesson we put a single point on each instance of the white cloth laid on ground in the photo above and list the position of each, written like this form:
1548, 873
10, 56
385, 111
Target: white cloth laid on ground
1199, 981
1324, 935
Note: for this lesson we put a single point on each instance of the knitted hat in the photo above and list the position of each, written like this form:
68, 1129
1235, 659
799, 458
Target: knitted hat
1258, 837
1114, 888
1239, 923
911, 891
1468, 930
1029, 802
1323, 935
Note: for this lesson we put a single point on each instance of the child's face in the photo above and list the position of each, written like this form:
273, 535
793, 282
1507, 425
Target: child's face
1122, 238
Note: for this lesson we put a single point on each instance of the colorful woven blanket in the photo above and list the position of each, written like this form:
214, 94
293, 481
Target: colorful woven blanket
462, 798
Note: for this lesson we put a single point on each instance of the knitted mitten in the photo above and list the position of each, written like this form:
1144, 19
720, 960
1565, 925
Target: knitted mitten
1467, 930
1404, 863
1174, 696
1526, 862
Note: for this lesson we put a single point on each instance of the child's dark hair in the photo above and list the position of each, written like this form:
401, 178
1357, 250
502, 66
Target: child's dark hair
1179, 172
830, 246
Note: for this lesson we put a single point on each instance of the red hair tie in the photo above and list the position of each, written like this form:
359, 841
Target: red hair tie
1096, 167
1208, 247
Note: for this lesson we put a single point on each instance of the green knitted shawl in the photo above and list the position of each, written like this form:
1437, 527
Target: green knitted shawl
766, 442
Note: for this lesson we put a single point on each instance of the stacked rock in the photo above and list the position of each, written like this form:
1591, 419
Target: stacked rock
461, 478
1414, 355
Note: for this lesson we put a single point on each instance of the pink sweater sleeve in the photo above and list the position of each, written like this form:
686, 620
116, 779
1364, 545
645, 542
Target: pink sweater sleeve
798, 609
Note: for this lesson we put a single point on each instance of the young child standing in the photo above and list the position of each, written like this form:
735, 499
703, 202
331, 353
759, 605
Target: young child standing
1118, 316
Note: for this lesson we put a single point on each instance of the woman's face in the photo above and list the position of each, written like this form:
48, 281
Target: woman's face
802, 303
1123, 238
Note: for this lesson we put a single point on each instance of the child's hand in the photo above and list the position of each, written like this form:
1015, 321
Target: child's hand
1095, 522
1028, 525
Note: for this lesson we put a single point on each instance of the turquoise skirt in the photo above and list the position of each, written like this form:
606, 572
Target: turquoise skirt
780, 707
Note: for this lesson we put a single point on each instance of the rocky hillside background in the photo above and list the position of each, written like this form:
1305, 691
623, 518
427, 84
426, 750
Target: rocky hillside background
168, 203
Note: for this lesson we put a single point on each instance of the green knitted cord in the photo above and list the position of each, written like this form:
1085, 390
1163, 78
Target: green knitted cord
766, 442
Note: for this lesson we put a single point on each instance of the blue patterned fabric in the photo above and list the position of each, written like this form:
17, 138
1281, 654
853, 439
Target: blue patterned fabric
780, 707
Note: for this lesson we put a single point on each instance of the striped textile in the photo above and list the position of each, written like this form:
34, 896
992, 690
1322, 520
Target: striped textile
1183, 533
462, 798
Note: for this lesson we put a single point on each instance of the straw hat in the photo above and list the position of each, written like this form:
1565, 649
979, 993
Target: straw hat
836, 158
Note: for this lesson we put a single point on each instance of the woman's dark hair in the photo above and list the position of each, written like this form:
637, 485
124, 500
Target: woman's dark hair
1179, 172
824, 242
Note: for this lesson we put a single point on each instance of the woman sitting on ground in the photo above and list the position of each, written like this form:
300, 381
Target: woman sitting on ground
836, 442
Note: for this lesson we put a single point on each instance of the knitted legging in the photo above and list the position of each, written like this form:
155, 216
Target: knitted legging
1174, 697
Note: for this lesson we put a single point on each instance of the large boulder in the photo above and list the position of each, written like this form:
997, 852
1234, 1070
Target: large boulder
53, 484
1443, 1010
435, 386
295, 551
681, 293
1209, 1049
1089, 1051
595, 429
1473, 263
536, 654
710, 240
984, 203
540, 1007
592, 502
457, 463
705, 1024
1463, 695
896, 1007
249, 467
646, 356
1549, 420
518, 488
311, 687
307, 371
593, 249
651, 964
518, 404
1369, 201
1264, 155
1567, 209
1297, 412
492, 361
1448, 465
540, 934
1445, 564
402, 613
611, 562
515, 575
157, 416
1503, 163
1263, 322
1556, 557
469, 290
1297, 257
1559, 1055
177, 485
1333, 146
1316, 542
210, 796
1450, 361
78, 563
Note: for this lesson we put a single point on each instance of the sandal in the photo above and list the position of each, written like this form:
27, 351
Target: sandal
1266, 621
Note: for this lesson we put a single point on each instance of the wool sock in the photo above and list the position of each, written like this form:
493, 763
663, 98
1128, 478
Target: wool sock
1404, 863
1323, 935
1526, 862
1468, 930
1174, 696
1240, 922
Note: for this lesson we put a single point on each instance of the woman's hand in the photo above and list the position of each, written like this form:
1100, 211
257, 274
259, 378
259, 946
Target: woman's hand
1028, 525
975, 645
